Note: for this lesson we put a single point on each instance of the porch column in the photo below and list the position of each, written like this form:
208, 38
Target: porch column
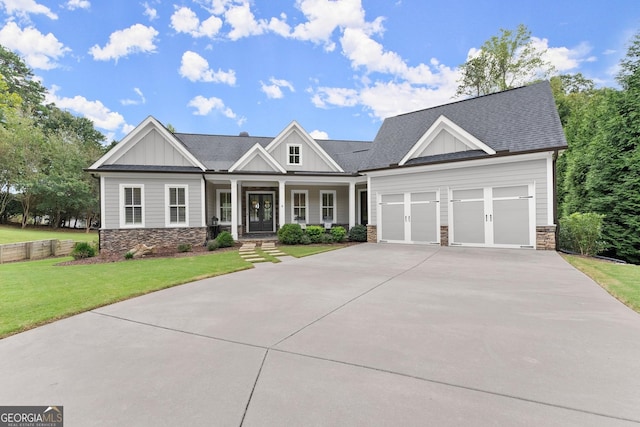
281, 204
352, 204
234, 209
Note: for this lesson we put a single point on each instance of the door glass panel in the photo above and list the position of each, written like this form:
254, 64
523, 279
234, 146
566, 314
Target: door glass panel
268, 208
393, 198
392, 222
519, 191
468, 222
423, 197
254, 208
477, 193
511, 222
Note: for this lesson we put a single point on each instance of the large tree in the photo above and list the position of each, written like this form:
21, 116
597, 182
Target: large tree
20, 80
504, 61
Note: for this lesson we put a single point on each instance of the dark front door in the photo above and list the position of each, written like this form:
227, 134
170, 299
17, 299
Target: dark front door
260, 212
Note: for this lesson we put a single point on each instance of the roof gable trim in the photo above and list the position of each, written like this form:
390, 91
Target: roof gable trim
136, 135
256, 151
443, 123
295, 127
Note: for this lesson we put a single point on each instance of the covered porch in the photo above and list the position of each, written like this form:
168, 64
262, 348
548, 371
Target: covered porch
255, 205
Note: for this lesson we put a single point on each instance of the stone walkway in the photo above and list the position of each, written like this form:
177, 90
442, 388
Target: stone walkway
248, 251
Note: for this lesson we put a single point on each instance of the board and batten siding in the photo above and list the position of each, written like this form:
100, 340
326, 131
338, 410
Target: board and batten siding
491, 175
155, 201
311, 161
153, 149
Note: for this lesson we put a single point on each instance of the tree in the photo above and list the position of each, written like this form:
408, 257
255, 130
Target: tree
503, 62
19, 78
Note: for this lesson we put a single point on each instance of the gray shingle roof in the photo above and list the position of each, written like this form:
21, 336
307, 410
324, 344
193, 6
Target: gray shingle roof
517, 120
220, 152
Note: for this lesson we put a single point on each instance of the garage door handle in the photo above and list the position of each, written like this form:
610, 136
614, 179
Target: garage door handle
488, 218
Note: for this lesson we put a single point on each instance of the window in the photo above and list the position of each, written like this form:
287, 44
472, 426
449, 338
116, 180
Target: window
176, 205
131, 197
328, 206
224, 206
299, 206
295, 154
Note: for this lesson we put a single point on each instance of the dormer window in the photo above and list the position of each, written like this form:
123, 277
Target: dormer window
295, 154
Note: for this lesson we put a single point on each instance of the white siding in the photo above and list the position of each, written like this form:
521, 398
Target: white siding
313, 204
498, 175
154, 198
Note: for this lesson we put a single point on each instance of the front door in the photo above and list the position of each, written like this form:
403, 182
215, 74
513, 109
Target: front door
260, 212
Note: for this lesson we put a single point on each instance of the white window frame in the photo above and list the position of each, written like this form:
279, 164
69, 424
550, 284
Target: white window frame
322, 206
219, 205
306, 206
289, 147
168, 206
121, 197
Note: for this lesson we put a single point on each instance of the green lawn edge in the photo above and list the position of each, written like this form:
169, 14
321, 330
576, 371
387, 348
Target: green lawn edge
622, 281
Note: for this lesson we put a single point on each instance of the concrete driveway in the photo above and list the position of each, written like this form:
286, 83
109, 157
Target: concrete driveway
367, 335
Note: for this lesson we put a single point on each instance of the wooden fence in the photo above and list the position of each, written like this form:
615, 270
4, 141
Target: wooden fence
35, 250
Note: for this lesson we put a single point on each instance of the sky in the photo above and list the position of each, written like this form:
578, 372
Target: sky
337, 67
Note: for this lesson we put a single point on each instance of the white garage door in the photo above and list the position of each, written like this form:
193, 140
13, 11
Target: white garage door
498, 216
410, 217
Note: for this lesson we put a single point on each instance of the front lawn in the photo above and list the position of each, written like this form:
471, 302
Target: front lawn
37, 292
620, 280
13, 234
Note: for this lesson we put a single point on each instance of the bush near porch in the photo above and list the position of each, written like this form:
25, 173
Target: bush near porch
293, 234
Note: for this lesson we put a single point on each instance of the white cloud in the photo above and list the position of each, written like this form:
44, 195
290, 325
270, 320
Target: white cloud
319, 134
243, 22
204, 106
78, 4
274, 90
324, 97
137, 38
140, 100
196, 68
562, 58
22, 8
609, 52
38, 50
149, 11
185, 20
324, 16
101, 116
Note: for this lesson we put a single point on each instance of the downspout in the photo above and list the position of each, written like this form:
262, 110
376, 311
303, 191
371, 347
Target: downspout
555, 201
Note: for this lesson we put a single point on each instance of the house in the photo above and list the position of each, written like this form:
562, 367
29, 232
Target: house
478, 172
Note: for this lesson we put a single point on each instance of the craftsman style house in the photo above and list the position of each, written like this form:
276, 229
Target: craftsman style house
478, 172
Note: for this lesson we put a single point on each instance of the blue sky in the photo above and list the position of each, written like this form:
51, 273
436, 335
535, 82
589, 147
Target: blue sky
338, 67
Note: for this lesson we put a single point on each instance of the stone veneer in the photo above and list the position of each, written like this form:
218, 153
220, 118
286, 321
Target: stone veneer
372, 233
444, 235
121, 241
546, 237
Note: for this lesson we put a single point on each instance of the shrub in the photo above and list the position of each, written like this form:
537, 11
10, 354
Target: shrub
358, 233
326, 238
128, 255
225, 240
83, 250
338, 233
290, 234
212, 245
305, 240
582, 233
315, 233
184, 247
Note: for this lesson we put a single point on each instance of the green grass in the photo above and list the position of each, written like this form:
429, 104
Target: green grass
36, 292
13, 234
620, 280
300, 251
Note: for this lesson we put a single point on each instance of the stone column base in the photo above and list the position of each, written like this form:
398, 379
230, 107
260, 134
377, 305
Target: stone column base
372, 234
444, 235
546, 237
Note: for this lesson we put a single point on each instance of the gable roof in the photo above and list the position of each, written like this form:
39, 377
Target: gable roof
514, 121
128, 142
256, 152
